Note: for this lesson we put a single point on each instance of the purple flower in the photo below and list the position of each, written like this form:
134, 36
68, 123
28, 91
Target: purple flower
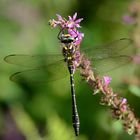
75, 34
73, 22
61, 21
124, 101
123, 105
53, 23
69, 26
107, 80
76, 62
59, 17
128, 19
79, 38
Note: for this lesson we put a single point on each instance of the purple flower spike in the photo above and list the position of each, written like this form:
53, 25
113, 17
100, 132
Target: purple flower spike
107, 80
69, 26
72, 22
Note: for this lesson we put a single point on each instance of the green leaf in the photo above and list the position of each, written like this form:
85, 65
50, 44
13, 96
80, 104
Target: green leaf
135, 90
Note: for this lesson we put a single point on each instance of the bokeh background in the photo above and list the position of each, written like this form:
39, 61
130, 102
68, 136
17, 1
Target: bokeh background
43, 112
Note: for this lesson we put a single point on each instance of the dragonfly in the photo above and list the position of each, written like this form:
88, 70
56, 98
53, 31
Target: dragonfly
46, 68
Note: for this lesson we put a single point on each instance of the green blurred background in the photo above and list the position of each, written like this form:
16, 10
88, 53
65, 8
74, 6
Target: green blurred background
43, 112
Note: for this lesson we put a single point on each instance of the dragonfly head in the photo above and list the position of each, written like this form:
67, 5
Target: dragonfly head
66, 38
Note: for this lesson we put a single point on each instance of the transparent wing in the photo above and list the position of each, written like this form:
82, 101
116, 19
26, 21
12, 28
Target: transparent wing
111, 56
111, 63
45, 74
122, 46
48, 67
33, 61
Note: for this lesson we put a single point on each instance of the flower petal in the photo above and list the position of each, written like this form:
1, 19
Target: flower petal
59, 17
78, 20
70, 18
107, 80
74, 16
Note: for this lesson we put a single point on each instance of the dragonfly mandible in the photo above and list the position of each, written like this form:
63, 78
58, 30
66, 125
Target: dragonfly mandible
43, 68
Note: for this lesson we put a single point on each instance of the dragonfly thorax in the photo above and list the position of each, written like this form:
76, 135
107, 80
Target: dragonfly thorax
68, 51
66, 38
68, 46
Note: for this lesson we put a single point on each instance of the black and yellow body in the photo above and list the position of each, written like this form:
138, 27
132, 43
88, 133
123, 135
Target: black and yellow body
68, 50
